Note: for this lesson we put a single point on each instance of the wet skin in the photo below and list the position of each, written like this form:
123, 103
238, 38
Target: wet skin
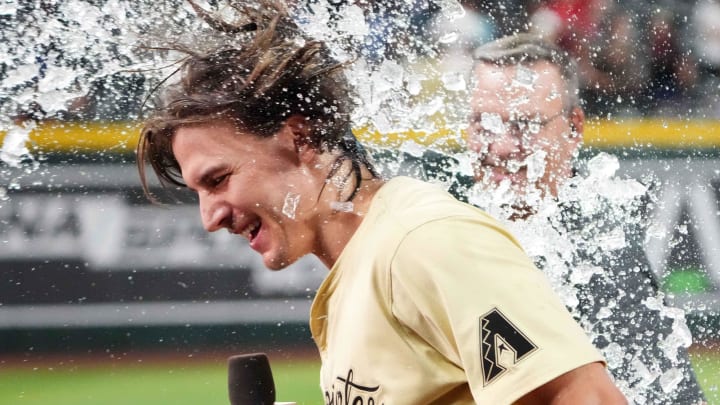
272, 190
242, 182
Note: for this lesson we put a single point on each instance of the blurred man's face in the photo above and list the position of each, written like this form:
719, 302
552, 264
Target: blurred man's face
520, 129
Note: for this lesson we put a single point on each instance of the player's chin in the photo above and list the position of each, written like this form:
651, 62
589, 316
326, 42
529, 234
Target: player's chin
275, 265
276, 262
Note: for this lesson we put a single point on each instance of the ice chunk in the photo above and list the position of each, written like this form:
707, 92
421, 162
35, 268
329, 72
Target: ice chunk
613, 240
14, 146
353, 21
317, 21
382, 123
654, 303
524, 77
583, 273
643, 373
451, 10
680, 337
604, 313
449, 37
412, 148
20, 74
389, 76
516, 103
492, 122
453, 81
414, 83
536, 165
603, 166
432, 106
621, 190
8, 8
533, 127
670, 379
514, 166
465, 163
614, 354
290, 205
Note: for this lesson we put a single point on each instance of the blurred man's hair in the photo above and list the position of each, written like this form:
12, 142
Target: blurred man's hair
527, 49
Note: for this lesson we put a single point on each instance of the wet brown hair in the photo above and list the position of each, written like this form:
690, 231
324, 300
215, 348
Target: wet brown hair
269, 72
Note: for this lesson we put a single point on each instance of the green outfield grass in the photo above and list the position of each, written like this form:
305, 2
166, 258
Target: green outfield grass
157, 383
707, 368
197, 383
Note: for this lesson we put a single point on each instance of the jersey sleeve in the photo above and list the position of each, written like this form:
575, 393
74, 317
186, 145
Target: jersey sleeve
465, 287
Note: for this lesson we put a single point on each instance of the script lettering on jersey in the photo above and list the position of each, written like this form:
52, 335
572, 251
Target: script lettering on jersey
348, 392
502, 345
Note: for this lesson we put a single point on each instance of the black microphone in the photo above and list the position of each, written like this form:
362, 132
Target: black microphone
250, 381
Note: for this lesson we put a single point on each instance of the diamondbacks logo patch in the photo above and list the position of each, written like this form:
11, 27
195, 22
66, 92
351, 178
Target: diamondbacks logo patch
502, 345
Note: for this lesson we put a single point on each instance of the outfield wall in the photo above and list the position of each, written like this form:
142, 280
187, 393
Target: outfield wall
82, 250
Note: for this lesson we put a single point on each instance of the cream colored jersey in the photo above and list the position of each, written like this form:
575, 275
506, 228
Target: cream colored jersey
433, 302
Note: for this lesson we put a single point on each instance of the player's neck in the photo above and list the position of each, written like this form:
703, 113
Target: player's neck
343, 218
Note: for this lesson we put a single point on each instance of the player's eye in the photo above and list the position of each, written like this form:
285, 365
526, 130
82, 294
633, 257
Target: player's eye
218, 180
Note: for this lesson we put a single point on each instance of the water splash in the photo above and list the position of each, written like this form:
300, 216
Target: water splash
581, 241
53, 53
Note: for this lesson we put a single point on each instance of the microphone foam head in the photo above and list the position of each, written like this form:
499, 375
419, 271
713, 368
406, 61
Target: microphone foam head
250, 380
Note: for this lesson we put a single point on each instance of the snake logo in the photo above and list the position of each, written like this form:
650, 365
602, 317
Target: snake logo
502, 345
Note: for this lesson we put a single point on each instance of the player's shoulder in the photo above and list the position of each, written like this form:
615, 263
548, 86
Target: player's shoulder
409, 198
411, 206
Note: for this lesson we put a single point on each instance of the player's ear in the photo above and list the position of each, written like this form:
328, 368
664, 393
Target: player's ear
299, 128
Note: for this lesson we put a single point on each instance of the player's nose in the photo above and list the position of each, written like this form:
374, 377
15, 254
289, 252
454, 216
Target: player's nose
215, 214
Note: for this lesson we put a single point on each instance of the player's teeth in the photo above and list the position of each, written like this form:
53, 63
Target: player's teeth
250, 228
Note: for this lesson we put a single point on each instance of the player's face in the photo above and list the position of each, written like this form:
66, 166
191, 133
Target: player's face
520, 129
259, 188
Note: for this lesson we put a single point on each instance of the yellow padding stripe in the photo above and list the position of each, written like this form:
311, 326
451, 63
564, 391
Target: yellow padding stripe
651, 133
654, 133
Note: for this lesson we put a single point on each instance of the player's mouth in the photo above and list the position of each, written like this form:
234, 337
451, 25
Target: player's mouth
251, 230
